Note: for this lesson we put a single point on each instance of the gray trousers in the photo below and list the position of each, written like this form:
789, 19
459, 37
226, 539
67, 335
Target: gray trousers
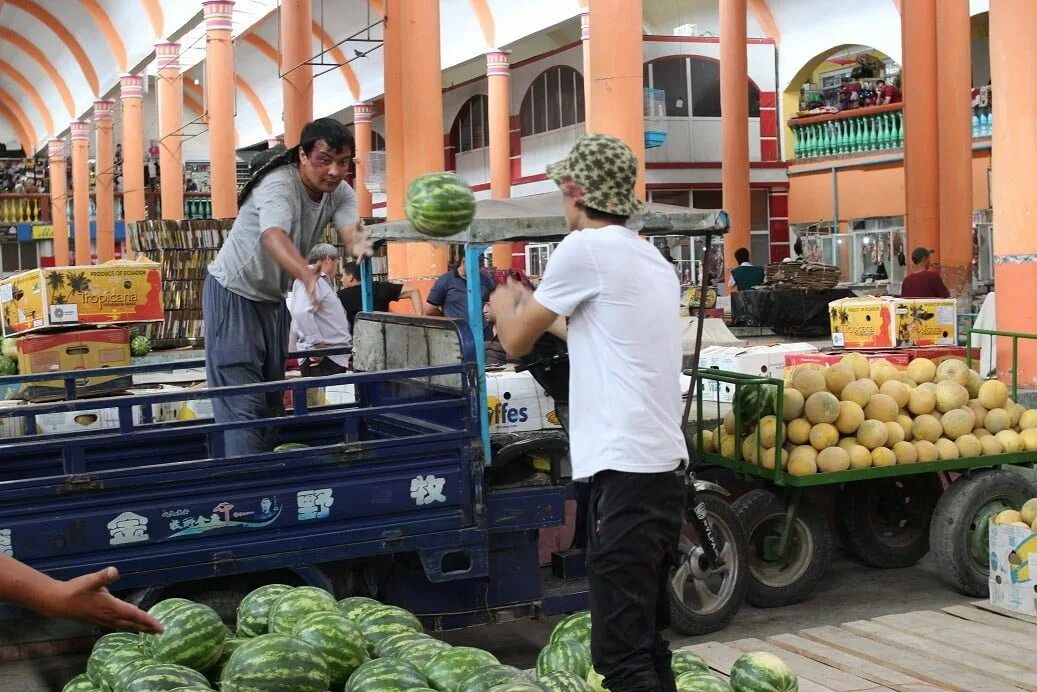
245, 343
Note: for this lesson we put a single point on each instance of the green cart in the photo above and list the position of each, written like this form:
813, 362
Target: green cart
889, 516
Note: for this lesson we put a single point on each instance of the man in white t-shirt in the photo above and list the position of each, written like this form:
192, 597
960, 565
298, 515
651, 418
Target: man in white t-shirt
621, 298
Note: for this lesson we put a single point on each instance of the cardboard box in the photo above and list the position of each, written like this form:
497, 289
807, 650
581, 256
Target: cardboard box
938, 354
765, 361
82, 349
861, 323
1013, 569
926, 322
81, 421
108, 293
898, 359
878, 322
517, 403
13, 426
188, 409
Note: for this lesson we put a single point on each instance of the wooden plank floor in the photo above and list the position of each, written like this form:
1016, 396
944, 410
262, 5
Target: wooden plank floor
973, 648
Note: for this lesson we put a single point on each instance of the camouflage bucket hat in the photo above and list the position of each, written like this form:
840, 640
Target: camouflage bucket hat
600, 172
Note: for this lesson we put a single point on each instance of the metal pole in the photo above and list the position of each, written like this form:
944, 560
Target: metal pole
366, 285
473, 275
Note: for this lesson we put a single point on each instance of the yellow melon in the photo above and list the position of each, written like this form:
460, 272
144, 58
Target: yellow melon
907, 424
896, 433
883, 456
809, 380
1008, 516
882, 407
799, 431
872, 434
860, 457
803, 452
832, 460
991, 445
728, 446
1028, 419
997, 420
949, 369
947, 449
848, 443
823, 436
885, 373
905, 452
707, 441
1015, 412
903, 377
927, 428
749, 449
979, 410
768, 431
769, 455
858, 362
1029, 510
822, 407
1020, 524
837, 377
850, 417
729, 422
921, 370
802, 466
792, 404
921, 400
950, 395
1010, 441
960, 421
896, 390
993, 394
926, 451
876, 366
980, 433
1033, 526
974, 383
969, 446
859, 392
1029, 438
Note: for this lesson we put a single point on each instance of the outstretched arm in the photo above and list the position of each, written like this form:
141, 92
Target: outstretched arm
414, 295
520, 319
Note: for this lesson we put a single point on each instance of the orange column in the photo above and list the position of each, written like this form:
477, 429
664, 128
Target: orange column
617, 85
297, 77
734, 106
921, 107
422, 115
1014, 169
219, 98
132, 94
954, 137
80, 136
362, 113
395, 150
170, 115
58, 200
585, 39
104, 180
498, 77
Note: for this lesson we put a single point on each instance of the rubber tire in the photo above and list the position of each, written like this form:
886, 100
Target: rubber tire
861, 537
948, 533
687, 621
758, 506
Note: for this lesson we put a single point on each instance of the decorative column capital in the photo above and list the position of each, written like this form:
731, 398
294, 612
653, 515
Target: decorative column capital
131, 86
56, 148
218, 14
585, 26
167, 55
362, 112
80, 130
104, 111
497, 63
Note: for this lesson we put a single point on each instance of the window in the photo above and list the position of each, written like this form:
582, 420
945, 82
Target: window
470, 129
554, 100
678, 198
377, 142
680, 75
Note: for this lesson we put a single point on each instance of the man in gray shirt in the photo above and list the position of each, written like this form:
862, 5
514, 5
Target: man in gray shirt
326, 326
281, 212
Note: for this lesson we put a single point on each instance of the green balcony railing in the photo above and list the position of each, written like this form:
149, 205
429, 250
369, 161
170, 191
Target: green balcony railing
849, 132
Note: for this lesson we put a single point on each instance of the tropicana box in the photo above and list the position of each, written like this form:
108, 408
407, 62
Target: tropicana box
883, 322
113, 292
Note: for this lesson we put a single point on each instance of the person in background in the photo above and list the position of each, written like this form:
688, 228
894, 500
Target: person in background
84, 598
326, 325
385, 292
746, 276
190, 185
886, 93
923, 282
448, 297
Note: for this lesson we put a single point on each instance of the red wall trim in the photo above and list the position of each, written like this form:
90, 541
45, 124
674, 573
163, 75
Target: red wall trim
705, 186
676, 165
522, 180
655, 38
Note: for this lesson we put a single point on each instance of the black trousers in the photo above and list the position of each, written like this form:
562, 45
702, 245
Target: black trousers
634, 522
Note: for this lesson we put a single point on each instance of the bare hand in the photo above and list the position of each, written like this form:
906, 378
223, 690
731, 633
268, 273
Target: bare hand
362, 246
507, 298
311, 289
87, 599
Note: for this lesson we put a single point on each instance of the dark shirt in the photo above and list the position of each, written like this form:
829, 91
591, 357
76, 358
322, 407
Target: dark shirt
924, 284
450, 294
747, 277
385, 292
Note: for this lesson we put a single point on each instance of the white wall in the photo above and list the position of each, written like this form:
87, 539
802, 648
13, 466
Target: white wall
547, 147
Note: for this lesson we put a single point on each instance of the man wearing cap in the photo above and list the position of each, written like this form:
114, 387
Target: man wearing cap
625, 403
923, 282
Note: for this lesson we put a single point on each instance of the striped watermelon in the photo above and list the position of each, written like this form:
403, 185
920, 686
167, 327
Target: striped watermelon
439, 204
122, 666
338, 639
573, 627
385, 675
355, 606
421, 689
81, 683
563, 681
104, 649
193, 636
391, 645
485, 677
385, 621
447, 669
192, 688
686, 661
699, 681
759, 671
160, 677
596, 681
275, 663
296, 604
254, 609
420, 653
518, 686
230, 645
564, 655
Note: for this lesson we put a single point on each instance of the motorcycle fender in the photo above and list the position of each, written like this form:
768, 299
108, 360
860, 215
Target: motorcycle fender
704, 486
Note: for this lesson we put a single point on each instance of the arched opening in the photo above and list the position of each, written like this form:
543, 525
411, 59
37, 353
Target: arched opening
551, 117
470, 139
377, 142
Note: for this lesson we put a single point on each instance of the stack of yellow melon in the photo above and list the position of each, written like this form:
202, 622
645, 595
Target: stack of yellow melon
1024, 518
859, 413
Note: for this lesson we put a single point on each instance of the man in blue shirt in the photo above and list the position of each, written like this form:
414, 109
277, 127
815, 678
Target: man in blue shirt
448, 297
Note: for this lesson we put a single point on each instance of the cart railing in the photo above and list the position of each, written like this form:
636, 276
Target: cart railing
993, 334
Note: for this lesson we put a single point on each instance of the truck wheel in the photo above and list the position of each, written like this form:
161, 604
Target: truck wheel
704, 600
776, 580
886, 522
960, 532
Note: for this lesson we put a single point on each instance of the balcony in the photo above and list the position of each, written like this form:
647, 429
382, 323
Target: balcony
36, 209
